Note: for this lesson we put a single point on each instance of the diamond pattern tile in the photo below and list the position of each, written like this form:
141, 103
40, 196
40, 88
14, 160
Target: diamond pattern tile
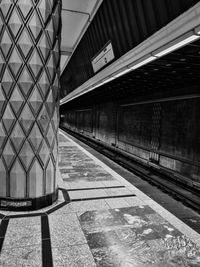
35, 26
3, 137
2, 64
55, 87
36, 185
44, 153
44, 10
50, 31
44, 46
50, 102
17, 181
1, 25
29, 75
2, 101
8, 119
7, 82
5, 7
35, 100
44, 83
6, 43
25, 82
56, 53
16, 100
43, 119
35, 63
26, 154
35, 137
8, 154
15, 23
25, 7
50, 177
25, 44
2, 179
17, 137
55, 119
15, 62
51, 67
55, 151
26, 119
50, 135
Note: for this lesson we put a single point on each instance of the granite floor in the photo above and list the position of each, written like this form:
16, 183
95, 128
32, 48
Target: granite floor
99, 219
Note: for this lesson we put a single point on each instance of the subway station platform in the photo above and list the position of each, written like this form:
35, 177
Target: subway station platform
101, 219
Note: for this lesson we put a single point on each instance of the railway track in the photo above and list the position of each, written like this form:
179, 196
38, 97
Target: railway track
167, 182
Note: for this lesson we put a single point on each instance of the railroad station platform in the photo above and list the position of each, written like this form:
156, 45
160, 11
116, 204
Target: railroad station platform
101, 219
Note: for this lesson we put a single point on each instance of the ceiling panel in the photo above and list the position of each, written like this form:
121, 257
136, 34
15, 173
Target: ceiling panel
72, 26
80, 5
76, 16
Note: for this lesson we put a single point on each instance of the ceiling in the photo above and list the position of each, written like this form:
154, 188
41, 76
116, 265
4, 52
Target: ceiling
174, 74
76, 17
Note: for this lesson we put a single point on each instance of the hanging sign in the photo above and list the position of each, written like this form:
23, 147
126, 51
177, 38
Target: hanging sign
103, 57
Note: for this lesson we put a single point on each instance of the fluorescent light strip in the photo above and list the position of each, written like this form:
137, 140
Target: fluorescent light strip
175, 46
122, 72
142, 62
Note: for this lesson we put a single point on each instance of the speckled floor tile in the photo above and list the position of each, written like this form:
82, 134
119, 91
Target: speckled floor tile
135, 201
84, 194
85, 184
117, 191
73, 256
23, 232
65, 230
30, 256
112, 183
82, 206
115, 203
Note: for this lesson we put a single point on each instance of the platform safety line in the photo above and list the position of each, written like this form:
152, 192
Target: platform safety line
177, 223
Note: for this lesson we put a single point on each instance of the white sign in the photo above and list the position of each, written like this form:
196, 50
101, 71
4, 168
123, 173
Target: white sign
103, 58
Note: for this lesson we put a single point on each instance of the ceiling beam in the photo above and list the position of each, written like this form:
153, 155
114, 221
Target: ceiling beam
76, 11
66, 50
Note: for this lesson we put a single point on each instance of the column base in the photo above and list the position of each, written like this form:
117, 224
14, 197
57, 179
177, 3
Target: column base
28, 204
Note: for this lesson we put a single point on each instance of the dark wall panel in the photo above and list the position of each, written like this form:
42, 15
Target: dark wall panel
126, 23
84, 120
135, 125
180, 130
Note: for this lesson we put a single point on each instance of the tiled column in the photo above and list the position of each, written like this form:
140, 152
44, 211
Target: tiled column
29, 89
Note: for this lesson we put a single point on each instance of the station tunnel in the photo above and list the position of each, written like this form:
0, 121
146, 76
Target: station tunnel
142, 105
99, 133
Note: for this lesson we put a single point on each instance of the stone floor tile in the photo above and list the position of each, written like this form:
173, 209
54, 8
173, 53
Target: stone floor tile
134, 201
115, 203
86, 194
23, 232
117, 191
65, 230
73, 256
112, 183
30, 256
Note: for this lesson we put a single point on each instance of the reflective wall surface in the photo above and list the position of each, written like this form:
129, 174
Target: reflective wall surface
29, 89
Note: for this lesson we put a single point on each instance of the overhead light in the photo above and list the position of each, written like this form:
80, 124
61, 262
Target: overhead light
141, 62
121, 72
175, 44
108, 79
197, 30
